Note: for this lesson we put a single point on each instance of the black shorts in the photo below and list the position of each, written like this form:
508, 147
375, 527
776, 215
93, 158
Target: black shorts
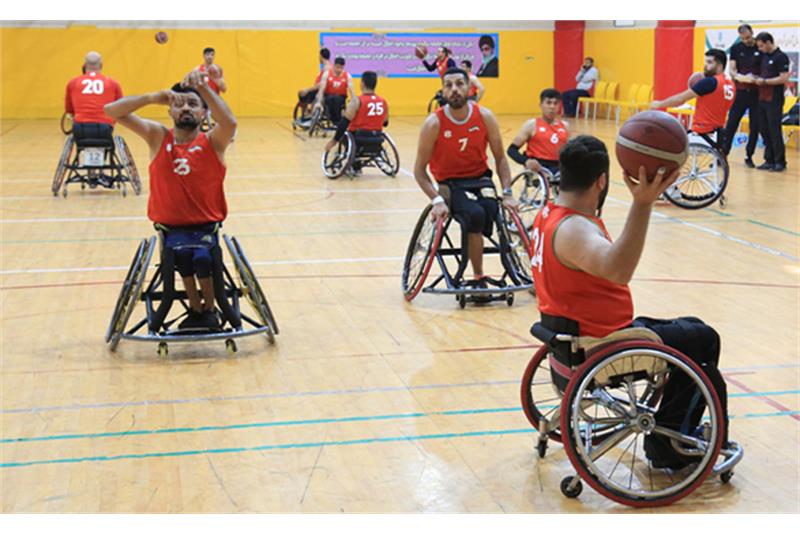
473, 202
85, 131
191, 246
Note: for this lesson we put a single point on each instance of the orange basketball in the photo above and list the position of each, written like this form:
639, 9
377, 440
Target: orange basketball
421, 51
694, 78
653, 139
213, 72
161, 37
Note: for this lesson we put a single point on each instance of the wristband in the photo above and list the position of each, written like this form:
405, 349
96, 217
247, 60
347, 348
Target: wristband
437, 200
508, 192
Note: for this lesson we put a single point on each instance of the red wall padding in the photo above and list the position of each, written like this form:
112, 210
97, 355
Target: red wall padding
567, 52
674, 47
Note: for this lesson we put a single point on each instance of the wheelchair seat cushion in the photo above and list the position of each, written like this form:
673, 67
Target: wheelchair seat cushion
93, 142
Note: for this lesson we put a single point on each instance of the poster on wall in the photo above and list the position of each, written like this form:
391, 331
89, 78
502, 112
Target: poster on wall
392, 55
786, 38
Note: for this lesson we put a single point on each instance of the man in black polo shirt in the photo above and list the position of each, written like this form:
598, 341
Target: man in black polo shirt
745, 62
773, 77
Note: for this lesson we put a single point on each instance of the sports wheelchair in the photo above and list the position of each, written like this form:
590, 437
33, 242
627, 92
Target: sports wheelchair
160, 294
105, 162
436, 102
359, 149
432, 240
704, 175
312, 120
532, 189
600, 397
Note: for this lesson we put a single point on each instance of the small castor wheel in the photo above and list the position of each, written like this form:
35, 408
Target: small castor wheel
83, 187
726, 477
722, 201
541, 447
230, 346
571, 487
124, 191
510, 299
64, 192
163, 350
462, 301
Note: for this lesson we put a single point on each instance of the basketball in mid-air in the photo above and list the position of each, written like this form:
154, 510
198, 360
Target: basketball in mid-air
161, 37
421, 51
653, 139
694, 78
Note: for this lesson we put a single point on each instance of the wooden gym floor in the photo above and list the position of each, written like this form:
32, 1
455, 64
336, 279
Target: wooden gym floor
365, 403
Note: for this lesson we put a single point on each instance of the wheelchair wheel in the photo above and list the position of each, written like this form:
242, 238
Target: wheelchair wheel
518, 238
314, 124
66, 123
421, 252
540, 398
388, 161
63, 161
435, 103
532, 190
336, 161
130, 166
616, 395
251, 288
703, 178
130, 292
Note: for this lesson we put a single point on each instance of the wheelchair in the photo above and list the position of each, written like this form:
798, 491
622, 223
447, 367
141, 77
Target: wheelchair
432, 241
159, 295
599, 397
703, 177
359, 149
436, 102
105, 162
315, 121
532, 189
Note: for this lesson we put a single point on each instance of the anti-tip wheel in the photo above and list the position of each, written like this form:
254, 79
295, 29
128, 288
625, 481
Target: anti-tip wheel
510, 299
541, 448
230, 346
571, 487
163, 350
726, 476
462, 301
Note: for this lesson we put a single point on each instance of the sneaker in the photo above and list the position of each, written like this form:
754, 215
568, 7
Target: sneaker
778, 167
663, 456
748, 161
765, 167
210, 320
193, 321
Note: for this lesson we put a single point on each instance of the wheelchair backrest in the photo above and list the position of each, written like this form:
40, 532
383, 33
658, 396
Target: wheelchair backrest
368, 143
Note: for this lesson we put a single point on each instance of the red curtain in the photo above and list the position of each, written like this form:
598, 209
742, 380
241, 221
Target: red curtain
567, 52
674, 48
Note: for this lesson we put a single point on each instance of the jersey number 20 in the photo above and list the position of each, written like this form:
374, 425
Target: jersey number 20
92, 87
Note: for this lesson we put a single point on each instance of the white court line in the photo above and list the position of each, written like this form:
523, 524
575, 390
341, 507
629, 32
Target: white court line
48, 195
246, 214
319, 261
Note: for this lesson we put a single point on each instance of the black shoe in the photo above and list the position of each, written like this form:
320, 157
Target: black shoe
748, 161
194, 320
210, 320
765, 166
778, 167
663, 456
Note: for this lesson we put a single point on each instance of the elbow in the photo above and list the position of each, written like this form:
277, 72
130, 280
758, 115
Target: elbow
110, 110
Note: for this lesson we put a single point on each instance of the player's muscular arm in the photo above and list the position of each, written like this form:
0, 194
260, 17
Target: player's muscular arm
221, 135
480, 88
350, 91
674, 100
496, 146
427, 139
352, 109
122, 111
323, 82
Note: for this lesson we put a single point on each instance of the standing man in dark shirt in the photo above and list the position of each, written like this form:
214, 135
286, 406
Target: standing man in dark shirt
771, 83
745, 63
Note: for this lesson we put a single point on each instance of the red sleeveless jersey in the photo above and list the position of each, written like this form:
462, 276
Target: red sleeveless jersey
210, 81
597, 305
460, 148
86, 95
186, 183
371, 114
546, 139
337, 85
712, 109
473, 89
441, 66
324, 69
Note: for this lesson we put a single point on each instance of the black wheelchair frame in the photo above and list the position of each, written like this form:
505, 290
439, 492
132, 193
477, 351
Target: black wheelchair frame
160, 294
116, 171
360, 149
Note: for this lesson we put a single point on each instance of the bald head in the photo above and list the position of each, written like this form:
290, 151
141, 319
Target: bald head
93, 61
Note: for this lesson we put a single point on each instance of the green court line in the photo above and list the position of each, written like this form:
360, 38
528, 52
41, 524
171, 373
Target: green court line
772, 227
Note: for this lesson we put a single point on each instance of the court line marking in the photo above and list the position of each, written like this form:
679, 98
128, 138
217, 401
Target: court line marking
324, 392
317, 421
766, 400
308, 444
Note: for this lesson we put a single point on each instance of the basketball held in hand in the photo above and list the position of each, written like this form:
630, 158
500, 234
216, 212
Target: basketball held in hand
421, 51
651, 139
161, 37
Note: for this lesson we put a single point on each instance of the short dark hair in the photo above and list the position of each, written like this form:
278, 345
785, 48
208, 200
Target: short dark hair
745, 27
338, 61
325, 53
718, 55
549, 93
369, 79
582, 160
467, 62
765, 37
446, 51
590, 58
208, 49
455, 70
178, 88
486, 40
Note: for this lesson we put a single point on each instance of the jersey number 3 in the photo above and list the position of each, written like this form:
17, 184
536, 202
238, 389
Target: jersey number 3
181, 166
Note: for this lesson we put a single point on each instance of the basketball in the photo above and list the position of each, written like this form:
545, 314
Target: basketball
421, 51
161, 37
213, 72
653, 139
694, 78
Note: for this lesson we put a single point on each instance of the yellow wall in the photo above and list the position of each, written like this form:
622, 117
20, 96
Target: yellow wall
263, 68
622, 56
